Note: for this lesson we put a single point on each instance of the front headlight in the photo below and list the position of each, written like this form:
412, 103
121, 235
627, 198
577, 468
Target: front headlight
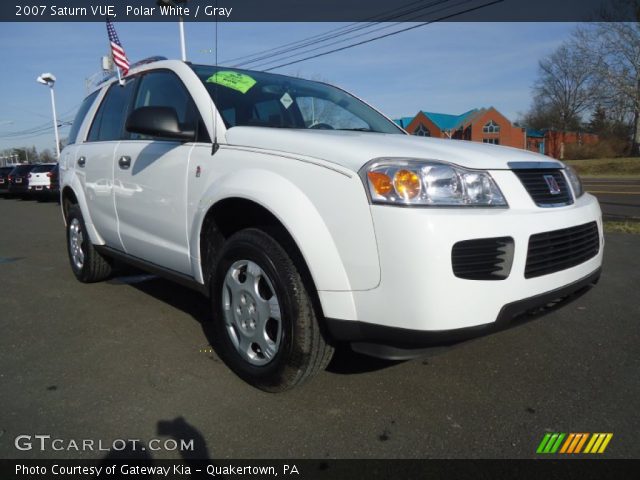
429, 183
574, 180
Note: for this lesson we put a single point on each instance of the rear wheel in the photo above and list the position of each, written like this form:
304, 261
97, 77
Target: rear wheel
86, 263
267, 328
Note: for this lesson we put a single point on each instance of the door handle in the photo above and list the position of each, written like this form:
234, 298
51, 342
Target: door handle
124, 162
81, 162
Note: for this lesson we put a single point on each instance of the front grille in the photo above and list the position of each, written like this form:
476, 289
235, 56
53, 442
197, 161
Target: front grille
483, 259
539, 189
551, 252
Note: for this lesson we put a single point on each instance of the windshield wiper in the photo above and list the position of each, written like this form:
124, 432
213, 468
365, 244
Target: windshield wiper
354, 129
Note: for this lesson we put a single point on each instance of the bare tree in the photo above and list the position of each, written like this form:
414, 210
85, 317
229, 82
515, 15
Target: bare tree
47, 157
562, 92
612, 52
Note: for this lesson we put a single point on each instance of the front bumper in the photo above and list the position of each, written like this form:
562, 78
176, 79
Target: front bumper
394, 343
419, 293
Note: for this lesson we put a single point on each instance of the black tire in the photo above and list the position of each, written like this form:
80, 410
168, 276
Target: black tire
303, 350
94, 267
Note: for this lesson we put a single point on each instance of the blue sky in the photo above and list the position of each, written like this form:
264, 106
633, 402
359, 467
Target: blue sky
445, 67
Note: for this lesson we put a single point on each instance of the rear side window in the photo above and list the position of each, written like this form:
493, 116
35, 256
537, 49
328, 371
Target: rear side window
82, 112
109, 121
42, 168
22, 169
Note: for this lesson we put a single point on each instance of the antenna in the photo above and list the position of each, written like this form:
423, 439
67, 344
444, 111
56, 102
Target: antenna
216, 146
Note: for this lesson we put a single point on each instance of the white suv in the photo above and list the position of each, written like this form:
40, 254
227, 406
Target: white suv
43, 179
309, 218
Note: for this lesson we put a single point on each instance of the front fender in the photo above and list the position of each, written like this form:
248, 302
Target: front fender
292, 208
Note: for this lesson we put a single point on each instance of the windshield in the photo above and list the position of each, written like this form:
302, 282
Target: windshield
22, 169
247, 98
42, 168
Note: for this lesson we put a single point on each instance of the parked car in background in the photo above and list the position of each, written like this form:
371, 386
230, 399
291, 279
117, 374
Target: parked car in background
19, 179
4, 179
43, 180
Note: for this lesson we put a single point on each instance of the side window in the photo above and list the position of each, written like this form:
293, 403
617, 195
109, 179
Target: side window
109, 121
164, 89
82, 112
319, 111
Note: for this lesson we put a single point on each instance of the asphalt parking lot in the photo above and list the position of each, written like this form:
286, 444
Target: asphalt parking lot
130, 359
619, 197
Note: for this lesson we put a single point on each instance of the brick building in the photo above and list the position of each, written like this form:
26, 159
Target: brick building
554, 139
488, 125
479, 125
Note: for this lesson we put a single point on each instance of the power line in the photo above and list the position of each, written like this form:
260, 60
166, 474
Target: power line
413, 27
353, 37
320, 36
391, 15
35, 131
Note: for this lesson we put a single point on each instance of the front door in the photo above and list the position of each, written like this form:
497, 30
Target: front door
150, 180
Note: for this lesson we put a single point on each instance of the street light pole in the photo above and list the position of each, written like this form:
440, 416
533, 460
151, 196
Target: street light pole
183, 43
55, 121
183, 46
49, 80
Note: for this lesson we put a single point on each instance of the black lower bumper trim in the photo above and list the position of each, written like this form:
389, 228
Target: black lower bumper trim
400, 343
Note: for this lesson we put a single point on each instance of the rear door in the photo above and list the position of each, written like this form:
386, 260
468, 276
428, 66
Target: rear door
95, 159
150, 179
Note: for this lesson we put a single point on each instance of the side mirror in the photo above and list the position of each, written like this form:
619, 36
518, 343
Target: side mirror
158, 122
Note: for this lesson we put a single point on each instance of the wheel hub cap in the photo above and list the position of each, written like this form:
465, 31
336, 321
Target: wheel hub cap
75, 243
251, 312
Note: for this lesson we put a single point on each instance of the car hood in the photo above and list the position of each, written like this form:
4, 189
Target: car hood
353, 149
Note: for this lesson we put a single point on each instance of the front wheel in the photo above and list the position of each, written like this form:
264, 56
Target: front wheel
267, 328
87, 264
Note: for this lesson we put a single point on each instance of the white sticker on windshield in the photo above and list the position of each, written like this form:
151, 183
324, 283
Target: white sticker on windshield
286, 100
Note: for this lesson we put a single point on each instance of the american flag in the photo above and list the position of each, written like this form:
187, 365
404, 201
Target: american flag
119, 57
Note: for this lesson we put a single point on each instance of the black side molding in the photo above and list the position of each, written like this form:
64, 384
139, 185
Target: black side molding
172, 275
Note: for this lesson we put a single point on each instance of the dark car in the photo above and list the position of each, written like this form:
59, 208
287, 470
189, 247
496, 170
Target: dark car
4, 179
19, 179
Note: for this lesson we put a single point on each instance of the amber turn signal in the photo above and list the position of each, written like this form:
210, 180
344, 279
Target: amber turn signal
407, 184
381, 183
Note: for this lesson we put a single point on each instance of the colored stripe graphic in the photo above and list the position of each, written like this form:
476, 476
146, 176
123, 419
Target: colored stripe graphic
550, 443
568, 442
598, 443
543, 443
581, 443
573, 443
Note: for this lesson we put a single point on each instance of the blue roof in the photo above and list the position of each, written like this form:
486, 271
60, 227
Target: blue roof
404, 121
445, 121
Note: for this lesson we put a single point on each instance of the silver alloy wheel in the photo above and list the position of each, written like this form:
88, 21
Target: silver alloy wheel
75, 243
252, 312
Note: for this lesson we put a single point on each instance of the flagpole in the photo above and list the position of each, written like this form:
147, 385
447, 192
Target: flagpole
119, 76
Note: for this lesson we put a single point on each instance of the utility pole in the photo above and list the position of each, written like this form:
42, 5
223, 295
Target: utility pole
174, 3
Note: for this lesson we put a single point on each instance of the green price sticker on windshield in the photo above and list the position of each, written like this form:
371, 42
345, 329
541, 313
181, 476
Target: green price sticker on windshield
237, 81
